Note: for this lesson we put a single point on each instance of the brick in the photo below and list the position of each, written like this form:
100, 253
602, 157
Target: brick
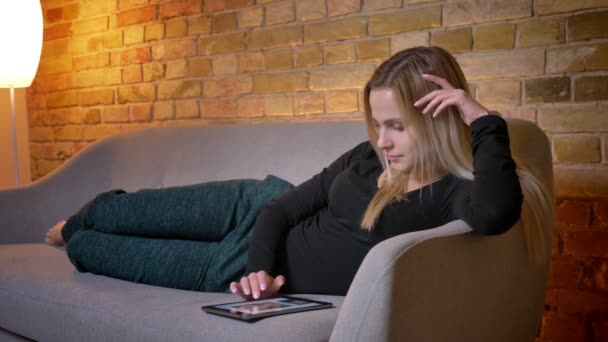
279, 105
279, 59
548, 89
132, 74
373, 5
95, 8
373, 50
563, 328
62, 150
545, 7
544, 32
308, 56
309, 103
329, 31
41, 134
473, 11
218, 109
179, 89
224, 22
274, 38
98, 132
173, 49
57, 31
280, 13
455, 41
155, 31
214, 6
55, 66
153, 72
111, 76
176, 28
591, 88
236, 4
576, 149
343, 101
63, 116
180, 8
128, 4
113, 39
72, 11
351, 77
68, 133
54, 48
342, 7
45, 84
573, 119
508, 64
199, 67
94, 61
187, 109
250, 17
87, 44
407, 40
225, 65
221, 44
115, 114
141, 112
249, 107
140, 93
588, 26
340, 53
175, 69
251, 62
92, 116
64, 98
494, 37
137, 16
587, 244
587, 182
310, 9
134, 35
96, 97
499, 93
227, 86
132, 56
565, 273
163, 110
405, 21
53, 15
280, 83
199, 25
577, 59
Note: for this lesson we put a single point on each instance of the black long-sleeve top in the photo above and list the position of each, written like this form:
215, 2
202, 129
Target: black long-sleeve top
312, 235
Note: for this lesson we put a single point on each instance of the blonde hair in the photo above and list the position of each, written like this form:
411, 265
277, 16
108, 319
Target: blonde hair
443, 144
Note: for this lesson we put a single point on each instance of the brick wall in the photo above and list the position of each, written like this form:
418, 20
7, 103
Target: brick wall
110, 66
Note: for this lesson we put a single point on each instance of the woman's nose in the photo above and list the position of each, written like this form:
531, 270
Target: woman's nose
383, 142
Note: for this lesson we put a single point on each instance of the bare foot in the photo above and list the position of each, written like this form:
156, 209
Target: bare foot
53, 236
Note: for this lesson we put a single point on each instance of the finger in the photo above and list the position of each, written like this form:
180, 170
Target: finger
239, 290
234, 287
442, 106
277, 283
426, 98
434, 103
255, 286
245, 286
263, 280
443, 83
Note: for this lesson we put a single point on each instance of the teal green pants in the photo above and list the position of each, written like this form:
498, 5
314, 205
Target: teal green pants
191, 237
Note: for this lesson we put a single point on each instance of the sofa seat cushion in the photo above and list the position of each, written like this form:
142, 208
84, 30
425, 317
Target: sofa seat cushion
45, 298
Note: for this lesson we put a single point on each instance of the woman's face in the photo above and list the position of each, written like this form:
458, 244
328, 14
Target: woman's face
395, 138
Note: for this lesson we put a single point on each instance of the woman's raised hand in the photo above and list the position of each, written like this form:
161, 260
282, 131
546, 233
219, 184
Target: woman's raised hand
258, 285
449, 96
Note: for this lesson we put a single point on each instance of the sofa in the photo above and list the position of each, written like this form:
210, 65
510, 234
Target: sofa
442, 284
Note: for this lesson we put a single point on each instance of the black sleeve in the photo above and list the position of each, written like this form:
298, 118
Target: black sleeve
298, 204
491, 203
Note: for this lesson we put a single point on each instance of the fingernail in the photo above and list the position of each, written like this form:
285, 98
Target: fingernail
246, 291
263, 287
256, 295
233, 290
416, 104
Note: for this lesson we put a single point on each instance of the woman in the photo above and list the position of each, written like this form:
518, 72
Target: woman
434, 155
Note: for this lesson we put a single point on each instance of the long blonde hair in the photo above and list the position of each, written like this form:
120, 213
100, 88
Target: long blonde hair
443, 144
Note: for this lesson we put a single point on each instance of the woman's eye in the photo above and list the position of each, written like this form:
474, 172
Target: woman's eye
398, 127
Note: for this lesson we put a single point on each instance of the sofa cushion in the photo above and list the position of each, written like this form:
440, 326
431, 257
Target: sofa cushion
45, 298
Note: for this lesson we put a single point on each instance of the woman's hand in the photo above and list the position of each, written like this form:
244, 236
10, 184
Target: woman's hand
258, 285
468, 108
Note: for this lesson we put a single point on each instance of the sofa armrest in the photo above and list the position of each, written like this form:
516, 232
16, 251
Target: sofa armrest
445, 285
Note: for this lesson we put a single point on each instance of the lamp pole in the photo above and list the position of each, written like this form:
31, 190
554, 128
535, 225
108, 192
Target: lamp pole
14, 121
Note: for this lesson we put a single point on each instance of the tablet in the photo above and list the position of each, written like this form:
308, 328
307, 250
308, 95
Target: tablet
256, 309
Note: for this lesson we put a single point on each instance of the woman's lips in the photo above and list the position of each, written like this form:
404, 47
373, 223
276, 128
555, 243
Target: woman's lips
393, 158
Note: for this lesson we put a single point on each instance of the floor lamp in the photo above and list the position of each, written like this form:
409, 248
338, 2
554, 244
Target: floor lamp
21, 40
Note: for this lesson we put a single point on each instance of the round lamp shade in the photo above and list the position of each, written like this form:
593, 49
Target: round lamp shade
21, 41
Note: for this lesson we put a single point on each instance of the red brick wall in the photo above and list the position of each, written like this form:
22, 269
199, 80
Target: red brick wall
576, 307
